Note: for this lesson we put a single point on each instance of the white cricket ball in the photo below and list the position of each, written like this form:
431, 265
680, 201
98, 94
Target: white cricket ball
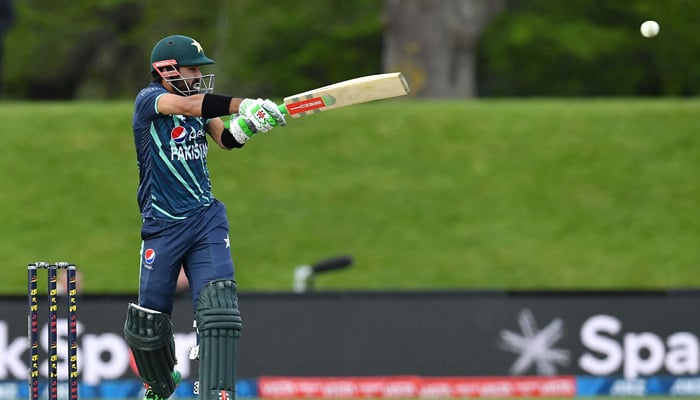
649, 29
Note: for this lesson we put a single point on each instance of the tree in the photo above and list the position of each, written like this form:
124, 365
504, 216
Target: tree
590, 48
434, 43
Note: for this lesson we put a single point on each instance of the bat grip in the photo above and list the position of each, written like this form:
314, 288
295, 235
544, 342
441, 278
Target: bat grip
283, 109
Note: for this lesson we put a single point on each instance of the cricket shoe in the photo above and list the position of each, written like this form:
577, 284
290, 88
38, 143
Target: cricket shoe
151, 395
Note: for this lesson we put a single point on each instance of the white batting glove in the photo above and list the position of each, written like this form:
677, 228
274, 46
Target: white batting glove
264, 114
241, 128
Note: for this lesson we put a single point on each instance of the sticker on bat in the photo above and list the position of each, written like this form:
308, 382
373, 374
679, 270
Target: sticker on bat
310, 104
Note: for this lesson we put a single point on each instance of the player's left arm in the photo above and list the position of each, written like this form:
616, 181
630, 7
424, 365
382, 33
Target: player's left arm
234, 133
215, 128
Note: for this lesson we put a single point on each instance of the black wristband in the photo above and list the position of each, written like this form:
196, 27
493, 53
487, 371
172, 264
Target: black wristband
229, 141
215, 105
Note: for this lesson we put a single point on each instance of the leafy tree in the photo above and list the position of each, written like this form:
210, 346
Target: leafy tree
101, 48
295, 45
58, 52
590, 48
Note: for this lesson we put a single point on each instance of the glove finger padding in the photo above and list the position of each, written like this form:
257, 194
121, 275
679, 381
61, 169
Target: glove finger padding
240, 128
264, 114
244, 109
261, 119
271, 108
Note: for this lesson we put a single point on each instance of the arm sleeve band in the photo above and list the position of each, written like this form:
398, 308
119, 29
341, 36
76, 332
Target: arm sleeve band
229, 141
214, 105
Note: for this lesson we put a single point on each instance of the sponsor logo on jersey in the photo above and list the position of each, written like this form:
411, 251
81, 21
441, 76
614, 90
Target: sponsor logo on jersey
188, 140
178, 134
189, 152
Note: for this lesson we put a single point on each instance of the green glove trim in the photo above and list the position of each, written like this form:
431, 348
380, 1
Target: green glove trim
247, 127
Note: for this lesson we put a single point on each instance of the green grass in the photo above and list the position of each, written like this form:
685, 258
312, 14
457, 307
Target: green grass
516, 194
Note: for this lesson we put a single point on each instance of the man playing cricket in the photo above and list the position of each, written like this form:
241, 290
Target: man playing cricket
183, 224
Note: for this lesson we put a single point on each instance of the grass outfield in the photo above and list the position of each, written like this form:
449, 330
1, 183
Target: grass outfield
515, 194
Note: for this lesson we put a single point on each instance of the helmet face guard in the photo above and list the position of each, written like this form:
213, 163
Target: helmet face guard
168, 70
176, 51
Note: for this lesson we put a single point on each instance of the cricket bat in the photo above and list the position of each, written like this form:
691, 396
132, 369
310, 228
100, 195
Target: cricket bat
346, 93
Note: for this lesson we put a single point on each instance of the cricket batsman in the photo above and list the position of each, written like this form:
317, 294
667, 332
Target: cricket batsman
184, 225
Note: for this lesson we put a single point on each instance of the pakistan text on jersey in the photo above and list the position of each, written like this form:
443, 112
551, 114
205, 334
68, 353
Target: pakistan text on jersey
189, 152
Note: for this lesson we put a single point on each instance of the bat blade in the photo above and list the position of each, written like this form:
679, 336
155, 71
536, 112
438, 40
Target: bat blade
346, 93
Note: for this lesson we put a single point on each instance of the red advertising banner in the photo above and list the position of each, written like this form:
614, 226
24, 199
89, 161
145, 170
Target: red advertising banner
560, 386
416, 387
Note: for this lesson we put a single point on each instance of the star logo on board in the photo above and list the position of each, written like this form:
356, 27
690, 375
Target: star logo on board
227, 241
197, 45
535, 347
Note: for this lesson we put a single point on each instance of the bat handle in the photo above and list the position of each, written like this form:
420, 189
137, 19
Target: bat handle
283, 109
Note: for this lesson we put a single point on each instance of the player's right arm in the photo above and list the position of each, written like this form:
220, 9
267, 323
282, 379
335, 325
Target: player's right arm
263, 113
249, 116
172, 104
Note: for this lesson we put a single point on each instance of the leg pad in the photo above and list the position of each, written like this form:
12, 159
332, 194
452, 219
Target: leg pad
219, 326
149, 334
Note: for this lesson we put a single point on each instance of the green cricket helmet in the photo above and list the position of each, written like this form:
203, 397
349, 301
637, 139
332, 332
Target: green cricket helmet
176, 51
